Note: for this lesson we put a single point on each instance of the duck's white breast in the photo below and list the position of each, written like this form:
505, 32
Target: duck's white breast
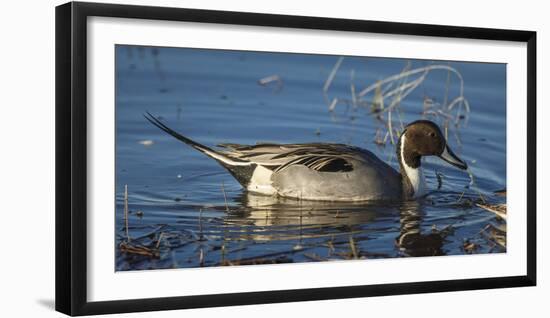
415, 175
261, 181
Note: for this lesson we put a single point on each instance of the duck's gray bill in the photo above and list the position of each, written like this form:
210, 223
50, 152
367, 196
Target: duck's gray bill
449, 156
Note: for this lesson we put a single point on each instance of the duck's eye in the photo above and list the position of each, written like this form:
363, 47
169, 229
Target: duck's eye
431, 134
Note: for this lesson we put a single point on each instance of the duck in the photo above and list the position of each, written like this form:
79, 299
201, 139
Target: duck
329, 171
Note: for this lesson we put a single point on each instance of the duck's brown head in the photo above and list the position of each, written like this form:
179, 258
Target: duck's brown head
424, 138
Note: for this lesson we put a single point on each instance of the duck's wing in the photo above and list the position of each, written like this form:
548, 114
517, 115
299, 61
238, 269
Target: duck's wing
316, 156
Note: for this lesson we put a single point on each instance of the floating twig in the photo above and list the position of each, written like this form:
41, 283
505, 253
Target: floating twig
272, 79
130, 248
498, 209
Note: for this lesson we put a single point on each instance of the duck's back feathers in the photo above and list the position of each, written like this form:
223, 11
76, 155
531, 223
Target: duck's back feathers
315, 156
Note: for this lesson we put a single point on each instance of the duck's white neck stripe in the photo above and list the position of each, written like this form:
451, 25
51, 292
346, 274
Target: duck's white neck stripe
415, 175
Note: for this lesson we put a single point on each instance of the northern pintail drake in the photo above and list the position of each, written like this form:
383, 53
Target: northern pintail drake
330, 172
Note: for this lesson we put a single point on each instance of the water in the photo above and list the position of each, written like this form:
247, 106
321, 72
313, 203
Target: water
185, 210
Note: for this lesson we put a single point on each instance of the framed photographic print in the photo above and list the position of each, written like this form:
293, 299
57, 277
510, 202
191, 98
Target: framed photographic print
210, 158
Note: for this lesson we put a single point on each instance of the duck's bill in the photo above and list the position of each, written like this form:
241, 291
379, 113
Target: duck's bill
449, 156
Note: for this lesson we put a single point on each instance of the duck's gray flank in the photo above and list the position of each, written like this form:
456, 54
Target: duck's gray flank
329, 172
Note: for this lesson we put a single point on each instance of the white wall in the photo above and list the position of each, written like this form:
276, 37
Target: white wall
27, 157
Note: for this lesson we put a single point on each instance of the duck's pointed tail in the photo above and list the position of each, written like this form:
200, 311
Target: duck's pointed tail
240, 169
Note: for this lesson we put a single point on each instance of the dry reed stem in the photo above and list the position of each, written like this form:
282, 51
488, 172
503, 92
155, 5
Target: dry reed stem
333, 104
225, 199
390, 129
126, 212
159, 240
352, 89
413, 72
472, 184
333, 74
353, 248
200, 224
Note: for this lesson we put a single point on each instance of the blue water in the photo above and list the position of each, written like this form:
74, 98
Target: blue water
187, 211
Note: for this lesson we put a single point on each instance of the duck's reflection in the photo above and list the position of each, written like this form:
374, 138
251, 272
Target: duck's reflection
272, 211
280, 218
411, 241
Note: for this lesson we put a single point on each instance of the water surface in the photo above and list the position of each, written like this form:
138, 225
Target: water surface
185, 210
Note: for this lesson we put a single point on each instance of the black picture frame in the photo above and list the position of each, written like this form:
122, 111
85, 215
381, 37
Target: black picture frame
71, 157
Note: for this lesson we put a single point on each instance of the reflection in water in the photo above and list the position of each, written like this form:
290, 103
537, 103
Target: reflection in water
315, 219
261, 210
411, 240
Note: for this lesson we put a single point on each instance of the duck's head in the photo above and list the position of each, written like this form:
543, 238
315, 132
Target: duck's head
424, 138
